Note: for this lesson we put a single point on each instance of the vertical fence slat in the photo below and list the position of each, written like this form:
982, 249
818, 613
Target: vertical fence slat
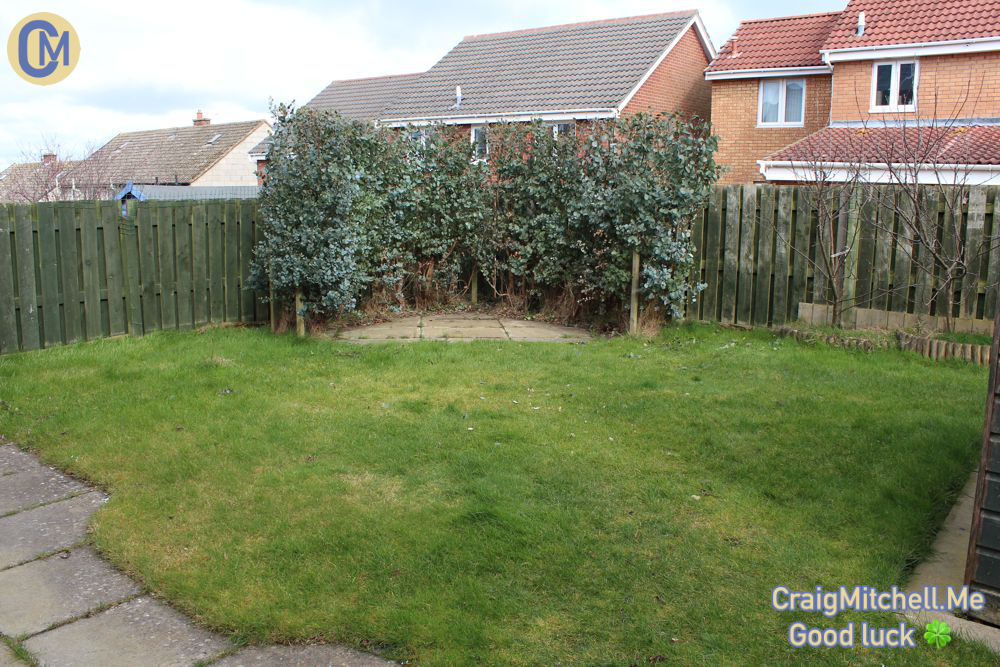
216, 265
146, 231
865, 242
713, 234
882, 269
8, 312
69, 256
948, 250
232, 265
973, 246
748, 231
923, 257
730, 262
765, 243
49, 275
182, 235
199, 261
24, 246
903, 254
114, 268
802, 222
167, 252
782, 248
245, 258
133, 283
91, 272
993, 246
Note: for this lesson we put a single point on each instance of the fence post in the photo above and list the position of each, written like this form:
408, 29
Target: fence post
633, 317
848, 311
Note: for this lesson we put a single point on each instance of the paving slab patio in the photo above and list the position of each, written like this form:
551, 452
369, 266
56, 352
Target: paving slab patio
69, 608
27, 535
142, 631
37, 595
463, 327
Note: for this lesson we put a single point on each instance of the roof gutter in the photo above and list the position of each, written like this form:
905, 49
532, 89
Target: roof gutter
878, 172
561, 114
942, 48
767, 72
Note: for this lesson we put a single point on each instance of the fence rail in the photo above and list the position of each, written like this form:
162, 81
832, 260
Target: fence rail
73, 271
753, 244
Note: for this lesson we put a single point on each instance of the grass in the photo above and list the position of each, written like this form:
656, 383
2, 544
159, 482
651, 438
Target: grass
493, 502
964, 337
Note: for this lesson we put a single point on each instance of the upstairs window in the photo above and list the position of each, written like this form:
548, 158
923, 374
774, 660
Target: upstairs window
894, 86
781, 103
480, 147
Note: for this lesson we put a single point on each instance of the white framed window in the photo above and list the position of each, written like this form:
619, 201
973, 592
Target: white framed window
781, 103
894, 86
480, 145
564, 129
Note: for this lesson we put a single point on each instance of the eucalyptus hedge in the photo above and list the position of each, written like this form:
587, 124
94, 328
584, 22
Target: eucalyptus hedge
356, 215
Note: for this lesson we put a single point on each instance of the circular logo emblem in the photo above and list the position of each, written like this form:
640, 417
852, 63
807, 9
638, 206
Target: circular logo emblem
43, 49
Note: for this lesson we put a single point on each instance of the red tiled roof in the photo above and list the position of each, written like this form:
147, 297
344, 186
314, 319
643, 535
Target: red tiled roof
971, 145
790, 41
891, 22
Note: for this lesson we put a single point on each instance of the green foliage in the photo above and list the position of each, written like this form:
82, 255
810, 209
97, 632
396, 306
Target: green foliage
353, 213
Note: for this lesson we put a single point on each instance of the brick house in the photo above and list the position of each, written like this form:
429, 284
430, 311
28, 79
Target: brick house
562, 75
882, 83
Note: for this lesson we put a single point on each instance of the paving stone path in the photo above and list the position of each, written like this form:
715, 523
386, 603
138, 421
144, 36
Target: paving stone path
65, 607
463, 327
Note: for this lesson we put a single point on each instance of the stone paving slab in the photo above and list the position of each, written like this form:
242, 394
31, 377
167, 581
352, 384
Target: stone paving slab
142, 631
39, 594
300, 656
34, 485
7, 657
29, 534
463, 327
13, 460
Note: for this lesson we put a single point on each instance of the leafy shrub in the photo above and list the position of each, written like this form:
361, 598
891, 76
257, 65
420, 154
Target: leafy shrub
354, 214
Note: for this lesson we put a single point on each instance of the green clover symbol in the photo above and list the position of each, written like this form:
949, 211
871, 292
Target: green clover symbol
938, 633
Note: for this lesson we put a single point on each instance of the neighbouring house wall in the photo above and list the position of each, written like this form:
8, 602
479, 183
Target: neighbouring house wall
236, 167
966, 86
678, 83
741, 142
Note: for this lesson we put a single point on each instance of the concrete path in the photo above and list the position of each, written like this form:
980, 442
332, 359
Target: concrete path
65, 607
946, 567
463, 327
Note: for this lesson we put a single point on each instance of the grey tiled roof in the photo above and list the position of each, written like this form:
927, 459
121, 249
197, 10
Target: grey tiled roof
363, 99
172, 155
578, 66
359, 99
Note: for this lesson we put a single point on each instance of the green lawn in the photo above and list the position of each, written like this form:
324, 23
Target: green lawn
502, 503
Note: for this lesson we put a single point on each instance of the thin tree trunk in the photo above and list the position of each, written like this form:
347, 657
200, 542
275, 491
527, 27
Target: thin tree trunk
300, 318
633, 325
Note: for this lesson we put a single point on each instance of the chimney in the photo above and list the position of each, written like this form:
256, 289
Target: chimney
48, 158
861, 24
200, 120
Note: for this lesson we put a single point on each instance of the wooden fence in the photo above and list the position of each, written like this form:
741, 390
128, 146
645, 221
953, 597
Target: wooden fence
74, 271
752, 244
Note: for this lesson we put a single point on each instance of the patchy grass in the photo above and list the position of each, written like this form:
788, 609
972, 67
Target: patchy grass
964, 337
494, 502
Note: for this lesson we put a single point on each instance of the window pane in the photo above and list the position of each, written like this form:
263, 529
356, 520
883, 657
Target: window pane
479, 142
883, 82
770, 93
565, 129
794, 94
906, 72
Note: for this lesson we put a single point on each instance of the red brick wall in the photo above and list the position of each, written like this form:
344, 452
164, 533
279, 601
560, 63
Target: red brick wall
947, 86
741, 142
678, 83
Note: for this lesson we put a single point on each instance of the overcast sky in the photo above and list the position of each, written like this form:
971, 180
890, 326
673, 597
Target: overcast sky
146, 65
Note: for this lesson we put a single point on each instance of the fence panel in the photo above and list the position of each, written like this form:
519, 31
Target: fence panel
759, 251
77, 270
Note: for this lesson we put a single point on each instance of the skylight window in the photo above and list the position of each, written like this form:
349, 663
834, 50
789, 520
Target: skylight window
215, 137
